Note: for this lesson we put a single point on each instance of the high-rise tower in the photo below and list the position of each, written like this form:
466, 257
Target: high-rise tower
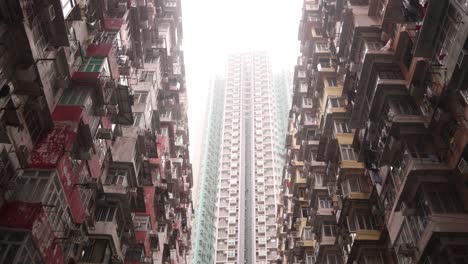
204, 229
248, 173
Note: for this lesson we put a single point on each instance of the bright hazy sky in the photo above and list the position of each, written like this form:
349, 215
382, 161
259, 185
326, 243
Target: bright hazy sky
213, 28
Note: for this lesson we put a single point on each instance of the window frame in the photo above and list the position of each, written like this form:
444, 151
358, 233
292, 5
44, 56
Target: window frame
117, 176
346, 151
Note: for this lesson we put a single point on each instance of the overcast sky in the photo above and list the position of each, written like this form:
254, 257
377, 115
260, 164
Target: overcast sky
214, 28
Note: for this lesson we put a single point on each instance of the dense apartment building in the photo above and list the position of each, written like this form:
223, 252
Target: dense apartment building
205, 220
377, 136
94, 140
248, 166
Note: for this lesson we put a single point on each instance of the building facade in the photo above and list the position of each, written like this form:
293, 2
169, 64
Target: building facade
247, 181
377, 140
94, 140
205, 219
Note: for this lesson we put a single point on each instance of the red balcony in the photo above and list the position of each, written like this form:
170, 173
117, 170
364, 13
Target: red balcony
29, 220
66, 148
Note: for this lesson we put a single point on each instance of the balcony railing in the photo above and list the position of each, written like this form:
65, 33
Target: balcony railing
409, 162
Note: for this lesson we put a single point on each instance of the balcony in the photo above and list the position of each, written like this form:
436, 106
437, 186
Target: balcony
433, 13
310, 121
108, 223
428, 219
25, 228
414, 168
362, 237
299, 180
306, 104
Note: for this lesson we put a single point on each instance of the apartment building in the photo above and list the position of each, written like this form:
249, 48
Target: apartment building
94, 140
247, 181
377, 136
204, 239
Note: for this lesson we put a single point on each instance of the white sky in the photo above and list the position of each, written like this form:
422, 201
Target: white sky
213, 28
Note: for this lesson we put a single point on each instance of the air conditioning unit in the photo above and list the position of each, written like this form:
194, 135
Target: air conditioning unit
49, 13
105, 133
463, 58
462, 167
113, 109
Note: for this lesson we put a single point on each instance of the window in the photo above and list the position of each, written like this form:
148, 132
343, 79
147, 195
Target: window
262, 240
310, 259
98, 251
141, 222
150, 58
402, 106
45, 187
105, 214
305, 212
134, 254
307, 234
347, 153
324, 202
231, 253
334, 259
336, 102
147, 76
6, 167
328, 229
85, 193
92, 64
17, 247
307, 101
389, 195
319, 179
361, 221
449, 29
320, 47
261, 229
443, 199
166, 115
324, 63
32, 122
332, 81
309, 118
318, 31
137, 119
351, 184
373, 45
117, 176
72, 96
67, 6
140, 97
341, 127
374, 258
